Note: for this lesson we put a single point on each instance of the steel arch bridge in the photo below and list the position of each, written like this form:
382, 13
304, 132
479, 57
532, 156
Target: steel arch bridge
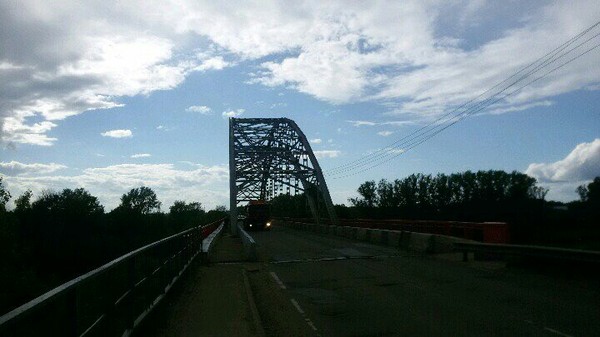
269, 157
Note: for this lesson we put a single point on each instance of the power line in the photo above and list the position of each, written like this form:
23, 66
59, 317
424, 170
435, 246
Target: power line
467, 109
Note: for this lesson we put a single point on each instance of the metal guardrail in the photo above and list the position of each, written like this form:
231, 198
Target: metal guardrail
112, 299
548, 253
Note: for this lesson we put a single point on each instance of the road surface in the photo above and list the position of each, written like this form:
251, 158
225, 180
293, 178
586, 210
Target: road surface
339, 287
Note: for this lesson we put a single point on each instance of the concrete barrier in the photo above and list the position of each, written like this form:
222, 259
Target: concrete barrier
249, 245
362, 234
412, 241
208, 243
375, 236
394, 238
404, 239
420, 242
350, 232
445, 244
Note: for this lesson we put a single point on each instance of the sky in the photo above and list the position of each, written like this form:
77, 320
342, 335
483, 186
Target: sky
113, 95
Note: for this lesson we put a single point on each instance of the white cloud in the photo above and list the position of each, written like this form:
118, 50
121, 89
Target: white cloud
359, 123
562, 177
203, 109
118, 134
213, 63
327, 154
385, 133
17, 168
233, 113
362, 123
207, 184
316, 141
418, 58
583, 163
141, 155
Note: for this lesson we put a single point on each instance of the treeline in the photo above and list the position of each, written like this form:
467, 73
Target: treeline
60, 235
469, 196
480, 196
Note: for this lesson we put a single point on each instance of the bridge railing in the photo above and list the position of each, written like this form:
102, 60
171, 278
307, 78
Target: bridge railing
488, 232
112, 299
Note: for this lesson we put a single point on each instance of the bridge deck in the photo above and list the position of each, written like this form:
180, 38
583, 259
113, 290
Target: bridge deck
308, 284
209, 301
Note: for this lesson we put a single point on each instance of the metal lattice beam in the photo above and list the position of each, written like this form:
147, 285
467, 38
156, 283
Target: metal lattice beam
268, 155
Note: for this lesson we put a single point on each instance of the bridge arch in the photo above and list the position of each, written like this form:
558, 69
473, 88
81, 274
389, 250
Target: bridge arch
268, 156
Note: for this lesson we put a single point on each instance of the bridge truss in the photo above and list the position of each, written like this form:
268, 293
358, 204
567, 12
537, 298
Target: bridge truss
269, 157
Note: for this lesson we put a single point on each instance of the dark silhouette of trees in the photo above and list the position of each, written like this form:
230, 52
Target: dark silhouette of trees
468, 195
23, 202
141, 200
60, 235
590, 193
180, 207
4, 197
183, 215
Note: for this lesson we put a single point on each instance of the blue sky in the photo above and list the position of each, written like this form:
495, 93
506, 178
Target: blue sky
110, 96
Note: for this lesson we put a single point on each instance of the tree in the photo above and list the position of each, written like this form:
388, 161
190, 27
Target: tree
583, 193
368, 193
4, 197
67, 205
180, 207
221, 208
23, 202
591, 192
141, 200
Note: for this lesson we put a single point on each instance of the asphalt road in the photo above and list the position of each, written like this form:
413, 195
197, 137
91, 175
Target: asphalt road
340, 287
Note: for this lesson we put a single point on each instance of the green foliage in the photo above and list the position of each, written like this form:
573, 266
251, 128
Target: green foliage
4, 197
141, 200
294, 206
180, 207
184, 215
441, 191
23, 202
64, 234
591, 192
477, 196
369, 195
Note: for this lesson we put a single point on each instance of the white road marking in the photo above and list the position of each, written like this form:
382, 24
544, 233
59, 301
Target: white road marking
276, 278
557, 332
295, 303
310, 324
549, 329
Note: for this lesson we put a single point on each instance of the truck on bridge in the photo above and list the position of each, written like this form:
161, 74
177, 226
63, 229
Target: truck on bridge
258, 215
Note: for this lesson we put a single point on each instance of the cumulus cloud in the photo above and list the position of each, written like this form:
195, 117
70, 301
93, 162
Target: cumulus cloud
385, 133
202, 109
17, 168
417, 58
207, 184
316, 141
233, 113
141, 155
562, 177
327, 154
213, 63
583, 163
118, 133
